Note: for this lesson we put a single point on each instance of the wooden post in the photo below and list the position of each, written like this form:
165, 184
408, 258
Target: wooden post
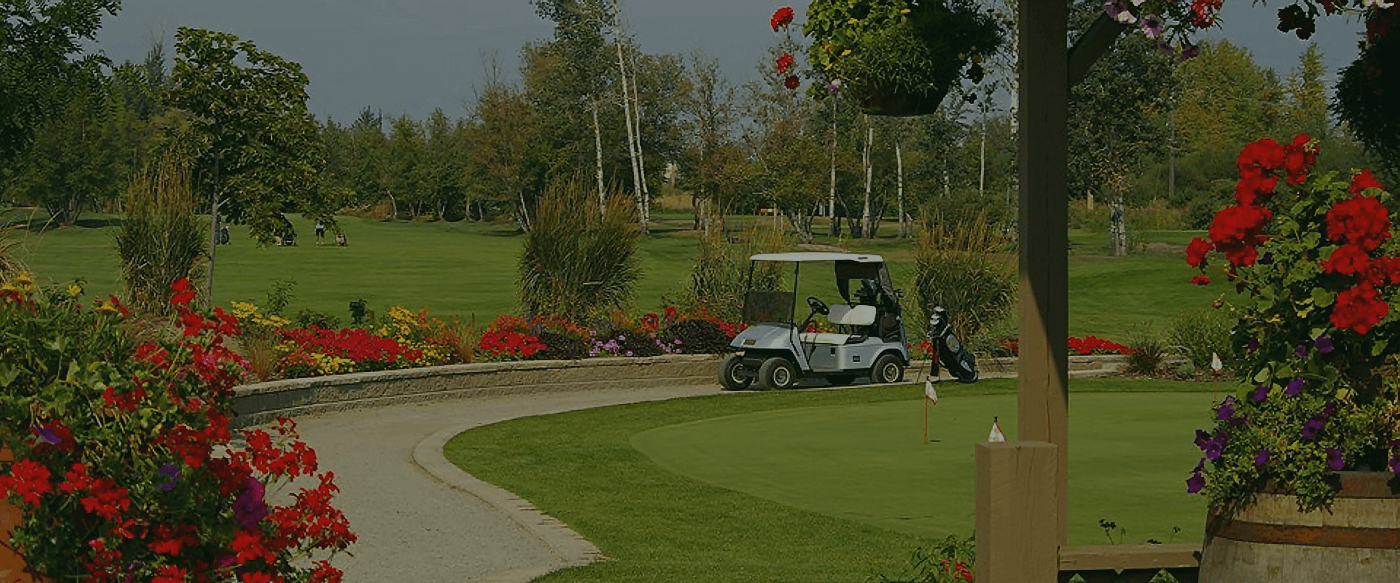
1043, 377
1017, 512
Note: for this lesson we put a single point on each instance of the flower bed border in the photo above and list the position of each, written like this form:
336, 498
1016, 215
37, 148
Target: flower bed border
263, 402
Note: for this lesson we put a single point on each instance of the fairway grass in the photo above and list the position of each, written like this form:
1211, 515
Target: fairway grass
467, 269
825, 485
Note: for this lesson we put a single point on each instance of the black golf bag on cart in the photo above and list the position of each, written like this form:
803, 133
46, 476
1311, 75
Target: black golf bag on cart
951, 354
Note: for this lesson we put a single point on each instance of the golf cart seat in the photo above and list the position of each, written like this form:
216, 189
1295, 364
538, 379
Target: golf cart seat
843, 315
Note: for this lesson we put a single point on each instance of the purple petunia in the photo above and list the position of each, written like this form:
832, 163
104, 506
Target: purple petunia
172, 475
1334, 459
248, 508
47, 435
1261, 458
1300, 351
1260, 394
1226, 411
1395, 464
1295, 387
1323, 344
1152, 26
1313, 427
1253, 345
1195, 483
834, 87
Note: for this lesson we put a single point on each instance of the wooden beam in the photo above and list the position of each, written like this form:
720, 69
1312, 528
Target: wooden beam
1093, 44
1043, 368
1016, 508
1120, 557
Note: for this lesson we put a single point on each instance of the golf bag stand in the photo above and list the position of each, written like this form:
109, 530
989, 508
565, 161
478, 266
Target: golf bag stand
952, 355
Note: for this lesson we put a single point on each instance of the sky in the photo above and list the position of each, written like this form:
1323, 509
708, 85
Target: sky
411, 56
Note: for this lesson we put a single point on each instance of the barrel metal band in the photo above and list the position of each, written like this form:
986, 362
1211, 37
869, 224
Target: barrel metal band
1316, 536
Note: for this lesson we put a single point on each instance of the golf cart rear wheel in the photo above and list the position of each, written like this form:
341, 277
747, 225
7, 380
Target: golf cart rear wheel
732, 375
887, 369
777, 373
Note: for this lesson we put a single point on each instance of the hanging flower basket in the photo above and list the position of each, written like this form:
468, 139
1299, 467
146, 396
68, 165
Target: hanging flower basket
898, 57
1370, 87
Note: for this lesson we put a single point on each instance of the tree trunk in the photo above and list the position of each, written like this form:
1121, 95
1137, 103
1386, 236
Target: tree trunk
834, 228
867, 229
899, 177
641, 157
598, 148
631, 141
522, 215
1118, 228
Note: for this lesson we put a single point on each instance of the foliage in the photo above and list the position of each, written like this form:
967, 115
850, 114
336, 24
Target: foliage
718, 276
1315, 258
951, 560
76, 158
257, 147
1369, 87
124, 465
41, 46
964, 268
508, 338
1199, 334
1147, 352
1088, 345
574, 262
161, 240
878, 48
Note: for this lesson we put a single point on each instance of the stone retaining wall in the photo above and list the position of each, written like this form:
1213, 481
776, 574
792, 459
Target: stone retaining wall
263, 402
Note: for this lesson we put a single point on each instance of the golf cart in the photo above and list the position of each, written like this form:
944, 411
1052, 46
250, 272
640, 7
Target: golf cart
777, 351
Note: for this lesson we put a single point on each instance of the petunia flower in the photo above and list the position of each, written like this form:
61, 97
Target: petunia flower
1334, 459
1295, 387
1151, 26
1300, 351
834, 87
172, 475
1323, 344
1195, 483
1260, 394
1261, 458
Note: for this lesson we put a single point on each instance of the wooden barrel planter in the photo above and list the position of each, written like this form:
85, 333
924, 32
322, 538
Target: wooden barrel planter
13, 569
1272, 541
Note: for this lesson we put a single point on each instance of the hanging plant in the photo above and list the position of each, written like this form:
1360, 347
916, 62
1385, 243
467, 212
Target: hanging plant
900, 57
1370, 87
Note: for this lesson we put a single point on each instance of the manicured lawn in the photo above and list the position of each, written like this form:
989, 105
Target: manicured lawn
465, 269
825, 485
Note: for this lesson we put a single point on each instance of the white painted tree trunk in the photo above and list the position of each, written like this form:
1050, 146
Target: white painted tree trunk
641, 158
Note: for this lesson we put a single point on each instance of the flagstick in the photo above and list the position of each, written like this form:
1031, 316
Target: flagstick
925, 418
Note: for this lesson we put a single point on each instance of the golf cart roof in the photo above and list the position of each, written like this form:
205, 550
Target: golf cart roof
817, 256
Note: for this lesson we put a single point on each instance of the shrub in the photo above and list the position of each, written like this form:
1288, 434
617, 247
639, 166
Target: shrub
161, 239
1148, 352
310, 318
950, 561
696, 337
576, 263
719, 277
1197, 334
965, 269
124, 464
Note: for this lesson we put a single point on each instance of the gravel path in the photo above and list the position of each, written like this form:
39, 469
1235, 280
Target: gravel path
421, 519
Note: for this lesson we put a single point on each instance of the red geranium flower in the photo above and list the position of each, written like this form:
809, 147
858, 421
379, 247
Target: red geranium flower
1299, 156
1363, 181
785, 63
1196, 252
782, 17
791, 82
1200, 279
1361, 220
183, 293
1358, 309
1348, 260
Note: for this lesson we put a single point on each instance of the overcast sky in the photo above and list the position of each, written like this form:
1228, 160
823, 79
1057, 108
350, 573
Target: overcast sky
410, 56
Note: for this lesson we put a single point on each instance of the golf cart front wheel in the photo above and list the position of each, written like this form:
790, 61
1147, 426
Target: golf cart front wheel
887, 369
732, 375
777, 373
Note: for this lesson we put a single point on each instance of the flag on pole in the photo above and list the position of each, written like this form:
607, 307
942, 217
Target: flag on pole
996, 435
930, 392
1215, 363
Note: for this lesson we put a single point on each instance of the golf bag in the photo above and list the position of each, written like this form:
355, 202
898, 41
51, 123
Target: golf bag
952, 355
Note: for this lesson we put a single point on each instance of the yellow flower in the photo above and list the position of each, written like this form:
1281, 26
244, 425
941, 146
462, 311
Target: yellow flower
853, 20
105, 308
75, 290
905, 11
242, 310
22, 283
845, 52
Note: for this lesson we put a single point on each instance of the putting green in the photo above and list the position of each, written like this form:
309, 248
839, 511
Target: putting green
1129, 457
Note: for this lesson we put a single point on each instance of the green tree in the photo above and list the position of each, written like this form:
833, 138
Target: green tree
1225, 100
708, 116
77, 157
40, 52
505, 152
1306, 108
260, 154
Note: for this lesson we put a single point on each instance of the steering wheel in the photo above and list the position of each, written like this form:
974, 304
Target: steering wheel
818, 306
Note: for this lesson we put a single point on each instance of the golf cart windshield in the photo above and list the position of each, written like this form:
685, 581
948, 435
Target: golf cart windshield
771, 299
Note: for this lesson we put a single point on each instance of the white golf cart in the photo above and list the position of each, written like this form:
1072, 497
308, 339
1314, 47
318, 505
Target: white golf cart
777, 352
